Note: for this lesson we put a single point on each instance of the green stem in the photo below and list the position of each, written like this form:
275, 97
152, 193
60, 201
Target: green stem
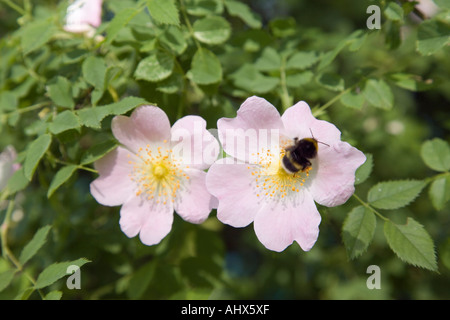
4, 234
368, 206
188, 24
437, 176
79, 166
28, 109
6, 252
321, 109
286, 99
14, 6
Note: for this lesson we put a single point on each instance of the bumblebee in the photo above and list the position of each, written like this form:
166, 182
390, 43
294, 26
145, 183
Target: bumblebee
298, 156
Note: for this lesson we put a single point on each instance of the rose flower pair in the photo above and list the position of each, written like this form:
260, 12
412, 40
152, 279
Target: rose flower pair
275, 170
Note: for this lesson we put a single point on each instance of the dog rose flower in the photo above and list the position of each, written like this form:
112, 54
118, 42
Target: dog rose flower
83, 16
156, 170
251, 184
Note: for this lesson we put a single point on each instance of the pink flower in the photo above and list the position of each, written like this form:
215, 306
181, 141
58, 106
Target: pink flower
252, 186
7, 165
83, 16
158, 169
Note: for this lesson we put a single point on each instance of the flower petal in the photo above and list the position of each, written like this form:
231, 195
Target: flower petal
277, 225
300, 123
82, 14
113, 187
230, 183
153, 221
194, 202
158, 225
191, 142
147, 124
257, 124
334, 177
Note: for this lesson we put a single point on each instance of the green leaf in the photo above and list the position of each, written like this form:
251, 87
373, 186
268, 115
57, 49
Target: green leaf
411, 243
60, 91
34, 245
356, 40
200, 271
439, 192
35, 152
394, 12
56, 271
140, 280
379, 94
298, 79
212, 30
331, 81
269, 60
432, 35
353, 99
358, 231
444, 4
17, 182
53, 295
8, 101
172, 84
364, 171
60, 177
164, 11
411, 82
92, 117
302, 60
243, 11
283, 27
205, 68
97, 151
394, 194
328, 57
120, 20
24, 294
125, 105
436, 154
64, 121
251, 80
94, 72
36, 34
155, 67
204, 7
173, 39
5, 278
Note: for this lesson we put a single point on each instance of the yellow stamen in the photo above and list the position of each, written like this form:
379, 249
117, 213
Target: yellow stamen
157, 175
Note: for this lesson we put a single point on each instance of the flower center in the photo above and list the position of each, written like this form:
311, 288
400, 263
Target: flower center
160, 170
158, 175
272, 180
